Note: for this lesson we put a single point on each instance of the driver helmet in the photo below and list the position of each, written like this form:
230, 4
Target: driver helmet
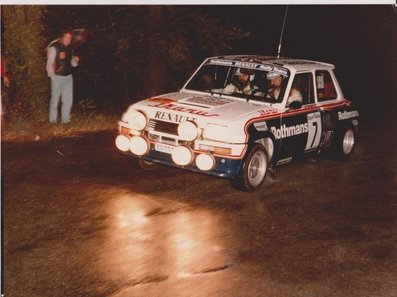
271, 75
246, 71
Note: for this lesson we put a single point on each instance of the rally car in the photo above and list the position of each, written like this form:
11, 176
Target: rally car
238, 116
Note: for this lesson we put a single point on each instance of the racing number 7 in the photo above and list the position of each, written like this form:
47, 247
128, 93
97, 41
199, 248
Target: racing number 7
314, 130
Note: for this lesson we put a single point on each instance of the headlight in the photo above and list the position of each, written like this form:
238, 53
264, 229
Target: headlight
188, 131
216, 132
136, 120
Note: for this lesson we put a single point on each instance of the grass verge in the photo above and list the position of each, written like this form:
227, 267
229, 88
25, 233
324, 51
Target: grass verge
19, 129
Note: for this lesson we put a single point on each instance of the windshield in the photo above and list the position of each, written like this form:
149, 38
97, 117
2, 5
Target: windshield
248, 80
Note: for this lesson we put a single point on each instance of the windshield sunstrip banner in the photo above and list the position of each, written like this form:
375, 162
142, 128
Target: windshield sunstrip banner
249, 65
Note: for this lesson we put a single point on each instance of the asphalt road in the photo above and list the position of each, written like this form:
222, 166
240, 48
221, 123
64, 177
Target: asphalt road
79, 220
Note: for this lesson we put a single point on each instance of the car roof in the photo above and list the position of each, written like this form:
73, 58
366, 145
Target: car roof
293, 64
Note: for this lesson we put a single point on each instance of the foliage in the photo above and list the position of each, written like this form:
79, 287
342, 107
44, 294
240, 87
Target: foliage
137, 51
23, 51
131, 52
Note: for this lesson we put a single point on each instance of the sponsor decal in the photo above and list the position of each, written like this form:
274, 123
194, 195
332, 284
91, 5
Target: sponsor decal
208, 101
162, 100
264, 112
284, 161
174, 107
221, 62
172, 117
289, 131
250, 65
314, 130
247, 65
261, 126
347, 114
281, 71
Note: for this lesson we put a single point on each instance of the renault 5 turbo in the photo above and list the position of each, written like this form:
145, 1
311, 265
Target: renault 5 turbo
239, 116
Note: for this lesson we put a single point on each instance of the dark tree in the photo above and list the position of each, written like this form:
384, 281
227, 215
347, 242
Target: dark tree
23, 49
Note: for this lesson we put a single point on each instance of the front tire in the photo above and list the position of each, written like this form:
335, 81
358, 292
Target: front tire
146, 165
253, 171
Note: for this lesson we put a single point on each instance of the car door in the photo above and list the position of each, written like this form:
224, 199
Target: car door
326, 95
301, 127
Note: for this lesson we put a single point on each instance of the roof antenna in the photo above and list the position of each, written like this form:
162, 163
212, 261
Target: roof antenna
282, 33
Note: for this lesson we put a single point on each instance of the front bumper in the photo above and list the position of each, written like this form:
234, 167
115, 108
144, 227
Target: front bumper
223, 167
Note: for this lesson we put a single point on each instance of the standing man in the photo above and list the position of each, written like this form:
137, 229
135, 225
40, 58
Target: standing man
60, 61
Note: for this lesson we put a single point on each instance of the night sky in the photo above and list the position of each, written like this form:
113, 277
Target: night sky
361, 40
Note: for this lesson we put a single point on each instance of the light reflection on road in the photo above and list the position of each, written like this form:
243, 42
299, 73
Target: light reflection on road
148, 243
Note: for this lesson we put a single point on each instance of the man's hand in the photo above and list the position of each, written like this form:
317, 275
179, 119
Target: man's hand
6, 81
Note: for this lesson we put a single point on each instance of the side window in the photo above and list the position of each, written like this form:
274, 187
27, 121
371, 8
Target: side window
303, 82
325, 86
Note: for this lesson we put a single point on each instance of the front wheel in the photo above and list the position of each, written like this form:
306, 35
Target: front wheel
253, 171
146, 165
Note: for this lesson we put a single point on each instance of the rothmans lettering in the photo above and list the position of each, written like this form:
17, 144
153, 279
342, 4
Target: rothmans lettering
284, 131
347, 115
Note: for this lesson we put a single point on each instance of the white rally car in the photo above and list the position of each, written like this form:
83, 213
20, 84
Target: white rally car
238, 116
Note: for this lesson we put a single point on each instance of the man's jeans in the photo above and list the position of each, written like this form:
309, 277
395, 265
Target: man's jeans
61, 87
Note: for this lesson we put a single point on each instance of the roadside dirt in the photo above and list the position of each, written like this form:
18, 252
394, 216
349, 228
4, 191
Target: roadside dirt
79, 220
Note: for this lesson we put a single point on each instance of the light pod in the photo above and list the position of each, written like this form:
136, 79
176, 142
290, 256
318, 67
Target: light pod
205, 162
182, 155
122, 143
139, 145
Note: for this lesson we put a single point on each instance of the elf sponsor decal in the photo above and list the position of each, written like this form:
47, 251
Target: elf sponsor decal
162, 100
288, 131
174, 107
171, 117
347, 114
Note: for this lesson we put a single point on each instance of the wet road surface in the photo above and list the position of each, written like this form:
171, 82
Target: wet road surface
79, 220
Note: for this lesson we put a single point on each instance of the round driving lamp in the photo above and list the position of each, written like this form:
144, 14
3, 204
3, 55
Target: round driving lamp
136, 120
188, 131
182, 155
122, 143
139, 145
205, 162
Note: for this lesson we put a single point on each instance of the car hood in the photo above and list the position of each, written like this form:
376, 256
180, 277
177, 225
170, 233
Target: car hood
201, 108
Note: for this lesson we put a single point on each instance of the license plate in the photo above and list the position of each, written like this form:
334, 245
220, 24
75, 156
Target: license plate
164, 148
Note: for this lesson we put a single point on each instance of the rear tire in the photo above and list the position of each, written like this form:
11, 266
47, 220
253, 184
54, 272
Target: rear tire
253, 171
344, 144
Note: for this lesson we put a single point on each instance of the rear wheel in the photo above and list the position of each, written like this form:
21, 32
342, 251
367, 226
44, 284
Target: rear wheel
253, 171
344, 144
